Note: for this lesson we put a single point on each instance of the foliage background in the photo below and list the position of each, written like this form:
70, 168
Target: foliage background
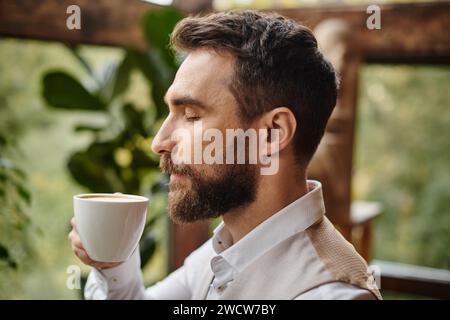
403, 160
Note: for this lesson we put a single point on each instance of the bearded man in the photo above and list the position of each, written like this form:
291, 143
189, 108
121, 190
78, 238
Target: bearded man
252, 71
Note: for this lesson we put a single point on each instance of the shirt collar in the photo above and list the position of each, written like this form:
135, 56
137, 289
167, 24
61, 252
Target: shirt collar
292, 219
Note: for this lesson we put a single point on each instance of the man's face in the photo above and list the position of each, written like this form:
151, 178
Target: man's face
200, 94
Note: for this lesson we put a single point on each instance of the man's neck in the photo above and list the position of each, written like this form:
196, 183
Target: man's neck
274, 193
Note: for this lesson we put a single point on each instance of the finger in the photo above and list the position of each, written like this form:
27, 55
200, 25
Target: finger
83, 256
76, 241
73, 223
99, 265
81, 253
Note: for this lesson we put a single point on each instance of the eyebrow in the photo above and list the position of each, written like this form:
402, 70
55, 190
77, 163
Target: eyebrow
186, 101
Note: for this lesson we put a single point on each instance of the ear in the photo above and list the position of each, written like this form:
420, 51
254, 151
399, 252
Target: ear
283, 120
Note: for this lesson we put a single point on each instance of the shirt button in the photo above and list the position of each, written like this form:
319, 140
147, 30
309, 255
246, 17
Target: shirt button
216, 262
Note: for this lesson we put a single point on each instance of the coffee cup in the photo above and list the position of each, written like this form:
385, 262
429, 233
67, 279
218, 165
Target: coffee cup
110, 225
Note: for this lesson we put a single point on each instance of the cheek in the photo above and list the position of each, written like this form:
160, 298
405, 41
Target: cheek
192, 141
184, 139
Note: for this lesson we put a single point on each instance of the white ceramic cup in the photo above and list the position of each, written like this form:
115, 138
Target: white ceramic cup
110, 225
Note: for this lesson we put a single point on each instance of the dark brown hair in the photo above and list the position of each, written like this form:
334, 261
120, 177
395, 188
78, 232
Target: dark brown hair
277, 64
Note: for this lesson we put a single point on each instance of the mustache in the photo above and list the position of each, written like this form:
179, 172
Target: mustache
167, 166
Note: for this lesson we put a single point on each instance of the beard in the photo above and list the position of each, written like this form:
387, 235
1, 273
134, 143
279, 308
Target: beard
200, 196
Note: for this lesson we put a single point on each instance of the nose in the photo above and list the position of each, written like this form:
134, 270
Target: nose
162, 143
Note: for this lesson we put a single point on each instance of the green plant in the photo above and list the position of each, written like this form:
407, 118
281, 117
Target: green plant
118, 158
14, 195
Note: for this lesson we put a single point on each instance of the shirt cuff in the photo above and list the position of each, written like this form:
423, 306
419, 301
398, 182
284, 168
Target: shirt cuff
121, 275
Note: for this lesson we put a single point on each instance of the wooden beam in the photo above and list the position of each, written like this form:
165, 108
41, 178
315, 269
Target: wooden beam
416, 29
194, 6
407, 30
103, 22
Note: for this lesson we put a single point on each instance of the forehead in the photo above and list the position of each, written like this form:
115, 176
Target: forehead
204, 74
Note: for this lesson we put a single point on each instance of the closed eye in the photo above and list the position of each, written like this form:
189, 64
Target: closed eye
191, 118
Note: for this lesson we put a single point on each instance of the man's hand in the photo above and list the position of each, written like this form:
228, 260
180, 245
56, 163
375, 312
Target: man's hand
81, 253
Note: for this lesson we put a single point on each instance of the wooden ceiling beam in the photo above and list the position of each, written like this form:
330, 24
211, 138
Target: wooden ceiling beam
103, 22
408, 31
415, 29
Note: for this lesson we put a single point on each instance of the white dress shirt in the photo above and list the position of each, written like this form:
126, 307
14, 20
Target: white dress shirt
125, 280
